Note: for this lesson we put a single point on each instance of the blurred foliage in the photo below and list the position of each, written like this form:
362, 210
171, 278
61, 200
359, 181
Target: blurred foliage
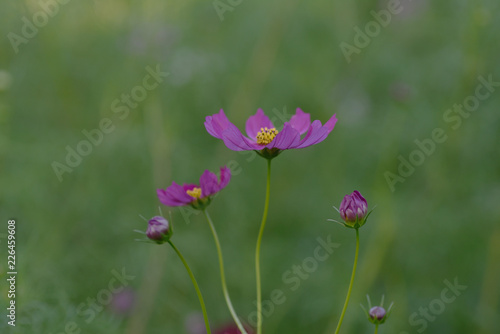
441, 223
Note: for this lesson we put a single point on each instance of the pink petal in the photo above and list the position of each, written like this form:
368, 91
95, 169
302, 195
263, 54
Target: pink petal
316, 137
216, 124
286, 138
225, 177
165, 199
189, 186
331, 122
256, 122
209, 184
235, 141
174, 195
318, 133
300, 121
312, 129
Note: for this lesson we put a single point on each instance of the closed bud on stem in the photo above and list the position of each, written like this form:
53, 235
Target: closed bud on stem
159, 230
377, 314
353, 210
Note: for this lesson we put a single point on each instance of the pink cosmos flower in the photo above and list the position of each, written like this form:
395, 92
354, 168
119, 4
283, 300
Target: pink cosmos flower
264, 138
198, 196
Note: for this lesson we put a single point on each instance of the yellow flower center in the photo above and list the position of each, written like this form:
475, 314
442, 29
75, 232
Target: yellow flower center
195, 193
265, 135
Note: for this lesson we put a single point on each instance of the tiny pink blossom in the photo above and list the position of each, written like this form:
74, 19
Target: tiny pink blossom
193, 194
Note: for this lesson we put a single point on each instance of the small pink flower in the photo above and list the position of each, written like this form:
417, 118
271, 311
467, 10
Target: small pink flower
198, 196
123, 301
264, 137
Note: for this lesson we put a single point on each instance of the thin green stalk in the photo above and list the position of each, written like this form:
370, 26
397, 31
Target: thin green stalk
350, 284
257, 252
198, 292
376, 328
223, 275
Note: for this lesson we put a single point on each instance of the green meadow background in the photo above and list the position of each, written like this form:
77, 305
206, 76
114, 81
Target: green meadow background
74, 232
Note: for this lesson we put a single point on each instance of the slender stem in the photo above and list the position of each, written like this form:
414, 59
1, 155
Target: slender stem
350, 284
198, 292
223, 276
257, 252
376, 328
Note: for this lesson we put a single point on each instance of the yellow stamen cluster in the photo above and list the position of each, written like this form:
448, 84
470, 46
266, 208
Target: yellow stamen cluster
195, 193
265, 135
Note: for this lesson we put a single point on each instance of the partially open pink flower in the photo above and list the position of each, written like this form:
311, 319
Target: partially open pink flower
264, 137
195, 195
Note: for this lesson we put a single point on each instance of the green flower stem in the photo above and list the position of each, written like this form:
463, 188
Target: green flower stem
350, 284
223, 276
376, 328
198, 292
257, 252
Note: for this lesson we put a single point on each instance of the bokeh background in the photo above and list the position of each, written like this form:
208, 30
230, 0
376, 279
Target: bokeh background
440, 224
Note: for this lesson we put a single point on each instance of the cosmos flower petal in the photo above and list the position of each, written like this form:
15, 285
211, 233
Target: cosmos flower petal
189, 186
179, 192
300, 121
316, 137
331, 123
217, 123
312, 129
225, 177
286, 138
318, 133
209, 184
167, 200
235, 140
174, 195
256, 122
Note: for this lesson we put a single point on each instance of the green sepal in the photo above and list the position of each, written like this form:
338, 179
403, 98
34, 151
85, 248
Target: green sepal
201, 203
269, 153
355, 224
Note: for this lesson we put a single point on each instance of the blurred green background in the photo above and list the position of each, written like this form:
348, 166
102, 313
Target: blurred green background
441, 223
